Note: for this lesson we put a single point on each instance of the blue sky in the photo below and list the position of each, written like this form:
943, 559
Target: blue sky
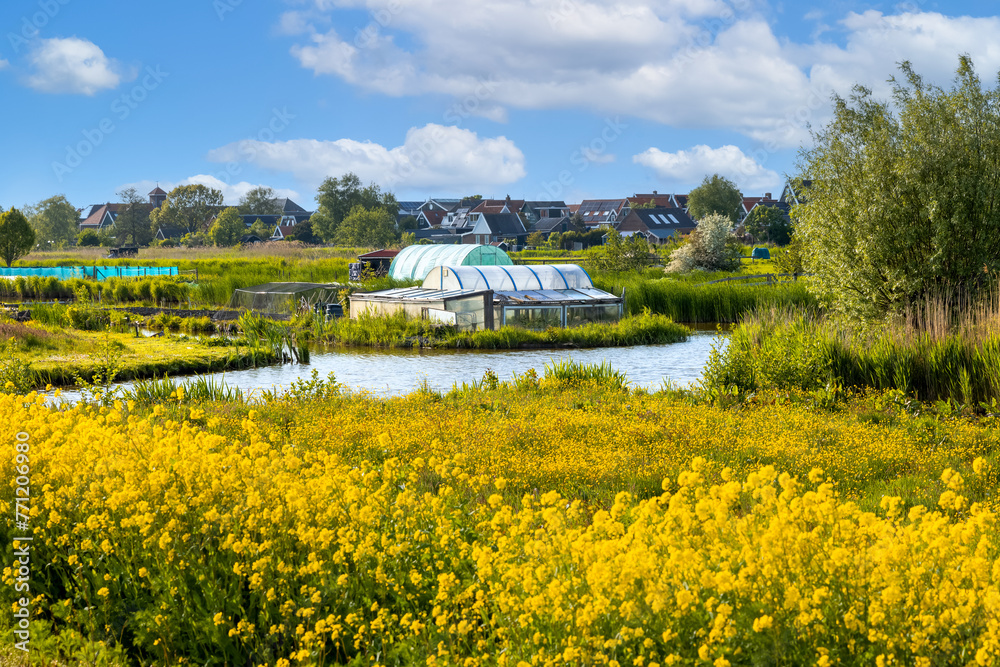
539, 99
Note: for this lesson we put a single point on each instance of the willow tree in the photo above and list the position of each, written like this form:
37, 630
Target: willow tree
904, 200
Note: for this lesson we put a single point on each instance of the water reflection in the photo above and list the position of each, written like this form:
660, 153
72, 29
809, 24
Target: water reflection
395, 372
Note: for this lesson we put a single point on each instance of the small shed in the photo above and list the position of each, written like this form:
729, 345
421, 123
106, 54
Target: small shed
416, 261
377, 261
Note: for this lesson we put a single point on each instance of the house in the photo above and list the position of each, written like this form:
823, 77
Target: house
459, 215
438, 204
430, 218
659, 225
796, 190
507, 205
601, 212
548, 226
491, 227
102, 216
750, 202
533, 211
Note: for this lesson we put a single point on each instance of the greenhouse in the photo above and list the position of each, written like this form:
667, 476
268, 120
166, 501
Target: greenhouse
509, 278
284, 297
473, 297
416, 261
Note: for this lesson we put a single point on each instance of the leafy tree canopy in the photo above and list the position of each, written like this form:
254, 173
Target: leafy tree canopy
715, 195
189, 207
367, 228
133, 223
338, 197
227, 228
54, 221
17, 238
769, 223
903, 201
259, 201
622, 254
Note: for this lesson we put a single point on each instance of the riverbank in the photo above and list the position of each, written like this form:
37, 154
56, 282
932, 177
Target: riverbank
33, 357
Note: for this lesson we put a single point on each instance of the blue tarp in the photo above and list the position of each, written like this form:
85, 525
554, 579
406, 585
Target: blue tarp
92, 272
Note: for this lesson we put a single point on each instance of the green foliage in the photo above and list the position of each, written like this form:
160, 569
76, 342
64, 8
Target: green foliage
685, 301
789, 258
17, 238
620, 254
367, 228
536, 239
302, 232
710, 247
769, 224
338, 197
716, 195
15, 373
902, 204
88, 239
228, 228
259, 201
188, 207
54, 222
780, 349
132, 223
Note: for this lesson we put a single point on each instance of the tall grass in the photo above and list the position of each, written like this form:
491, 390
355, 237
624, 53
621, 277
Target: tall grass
398, 331
685, 301
930, 355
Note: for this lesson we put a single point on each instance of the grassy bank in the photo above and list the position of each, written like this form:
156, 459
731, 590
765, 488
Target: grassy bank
546, 517
33, 356
398, 331
800, 349
690, 301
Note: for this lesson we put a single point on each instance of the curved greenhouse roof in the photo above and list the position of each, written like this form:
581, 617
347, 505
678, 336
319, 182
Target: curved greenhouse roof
416, 261
508, 278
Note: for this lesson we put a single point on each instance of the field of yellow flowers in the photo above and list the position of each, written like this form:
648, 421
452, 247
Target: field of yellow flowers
535, 522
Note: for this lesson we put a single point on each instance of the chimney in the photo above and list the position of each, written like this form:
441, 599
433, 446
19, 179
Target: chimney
767, 195
655, 192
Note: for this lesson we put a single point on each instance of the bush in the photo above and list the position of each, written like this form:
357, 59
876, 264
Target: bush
710, 247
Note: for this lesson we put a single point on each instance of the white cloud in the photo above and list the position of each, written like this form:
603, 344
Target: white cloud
4, 64
72, 65
691, 166
430, 156
231, 192
688, 63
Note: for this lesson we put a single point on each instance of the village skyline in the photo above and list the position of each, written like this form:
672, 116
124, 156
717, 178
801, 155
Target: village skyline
553, 100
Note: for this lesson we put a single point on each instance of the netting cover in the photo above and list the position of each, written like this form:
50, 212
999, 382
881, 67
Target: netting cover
283, 297
94, 272
508, 278
416, 261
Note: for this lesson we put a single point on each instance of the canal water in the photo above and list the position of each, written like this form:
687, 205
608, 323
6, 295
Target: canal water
395, 372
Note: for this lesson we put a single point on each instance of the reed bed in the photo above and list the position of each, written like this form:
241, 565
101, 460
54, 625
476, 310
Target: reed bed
397, 331
932, 354
688, 301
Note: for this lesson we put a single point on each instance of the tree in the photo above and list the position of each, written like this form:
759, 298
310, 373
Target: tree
54, 221
536, 239
339, 196
902, 203
367, 228
259, 201
710, 247
769, 223
188, 207
17, 238
715, 195
621, 254
303, 232
227, 228
132, 222
261, 230
88, 239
